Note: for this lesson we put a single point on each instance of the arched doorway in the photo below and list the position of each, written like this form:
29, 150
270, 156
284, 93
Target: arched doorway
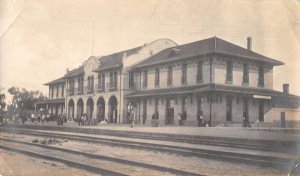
89, 109
113, 109
100, 109
71, 109
79, 108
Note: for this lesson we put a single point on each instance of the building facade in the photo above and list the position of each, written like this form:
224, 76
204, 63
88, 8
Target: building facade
216, 78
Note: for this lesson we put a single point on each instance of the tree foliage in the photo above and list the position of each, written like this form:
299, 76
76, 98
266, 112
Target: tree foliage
2, 102
25, 98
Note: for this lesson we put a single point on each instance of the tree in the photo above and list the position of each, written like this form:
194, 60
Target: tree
25, 99
2, 104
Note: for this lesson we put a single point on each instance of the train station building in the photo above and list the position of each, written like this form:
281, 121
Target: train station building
216, 78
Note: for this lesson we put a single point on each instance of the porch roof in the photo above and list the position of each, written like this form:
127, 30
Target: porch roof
51, 101
204, 88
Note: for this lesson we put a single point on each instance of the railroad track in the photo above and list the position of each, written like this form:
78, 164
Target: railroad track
262, 145
214, 154
88, 161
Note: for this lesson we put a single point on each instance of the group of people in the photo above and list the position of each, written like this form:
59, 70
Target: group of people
41, 117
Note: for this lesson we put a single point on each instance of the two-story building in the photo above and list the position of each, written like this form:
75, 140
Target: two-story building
223, 81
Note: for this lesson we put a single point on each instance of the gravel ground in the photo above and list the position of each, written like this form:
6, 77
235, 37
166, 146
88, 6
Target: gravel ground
192, 164
15, 164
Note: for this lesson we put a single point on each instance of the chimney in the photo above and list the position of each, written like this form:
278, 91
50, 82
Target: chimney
285, 88
249, 43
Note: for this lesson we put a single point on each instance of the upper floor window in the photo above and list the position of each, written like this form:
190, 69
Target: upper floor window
156, 77
92, 83
170, 76
131, 80
145, 79
246, 74
113, 80
57, 90
62, 90
89, 83
71, 87
101, 81
199, 72
261, 76
79, 84
183, 75
52, 92
229, 72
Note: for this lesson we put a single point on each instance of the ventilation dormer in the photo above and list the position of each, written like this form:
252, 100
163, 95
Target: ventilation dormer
174, 52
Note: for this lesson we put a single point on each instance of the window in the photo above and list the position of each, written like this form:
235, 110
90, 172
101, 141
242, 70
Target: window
170, 76
103, 81
62, 91
92, 83
57, 91
89, 84
156, 77
199, 72
113, 80
246, 74
229, 72
79, 85
261, 76
99, 81
229, 108
52, 92
131, 80
145, 79
183, 75
71, 87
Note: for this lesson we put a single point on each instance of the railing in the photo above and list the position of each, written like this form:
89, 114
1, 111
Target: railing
71, 91
133, 85
111, 86
89, 90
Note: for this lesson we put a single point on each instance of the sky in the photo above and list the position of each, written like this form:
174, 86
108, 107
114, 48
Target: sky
40, 39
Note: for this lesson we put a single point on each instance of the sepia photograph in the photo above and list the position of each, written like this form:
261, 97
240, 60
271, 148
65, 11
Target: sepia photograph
149, 87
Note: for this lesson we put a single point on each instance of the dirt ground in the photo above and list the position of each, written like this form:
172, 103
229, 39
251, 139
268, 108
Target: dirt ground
15, 164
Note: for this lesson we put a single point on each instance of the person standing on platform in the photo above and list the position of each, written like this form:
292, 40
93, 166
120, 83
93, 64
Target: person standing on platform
132, 118
156, 119
179, 119
32, 117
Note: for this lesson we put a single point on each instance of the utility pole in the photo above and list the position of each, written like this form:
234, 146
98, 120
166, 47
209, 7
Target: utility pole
93, 39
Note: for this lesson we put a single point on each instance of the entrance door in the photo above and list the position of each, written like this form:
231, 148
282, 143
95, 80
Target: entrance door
144, 111
261, 111
169, 113
246, 109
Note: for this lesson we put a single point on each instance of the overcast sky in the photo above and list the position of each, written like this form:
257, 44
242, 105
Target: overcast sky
40, 39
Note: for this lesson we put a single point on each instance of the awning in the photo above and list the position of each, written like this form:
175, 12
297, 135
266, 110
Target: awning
51, 101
